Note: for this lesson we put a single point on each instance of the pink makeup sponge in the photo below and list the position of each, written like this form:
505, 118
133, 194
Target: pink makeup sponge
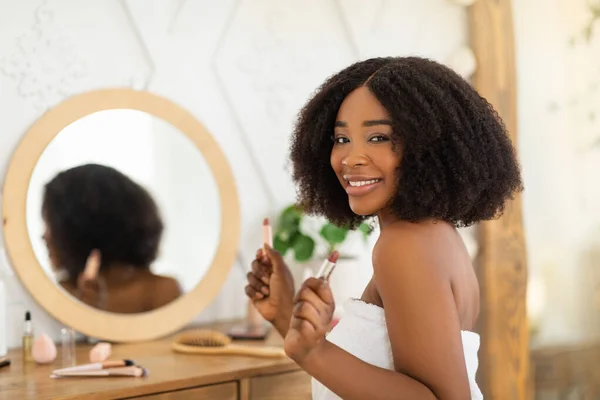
100, 352
43, 350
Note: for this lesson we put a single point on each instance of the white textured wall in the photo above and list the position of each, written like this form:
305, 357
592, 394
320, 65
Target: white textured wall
243, 68
559, 120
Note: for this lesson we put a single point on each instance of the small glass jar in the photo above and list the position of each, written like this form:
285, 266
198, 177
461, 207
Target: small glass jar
68, 356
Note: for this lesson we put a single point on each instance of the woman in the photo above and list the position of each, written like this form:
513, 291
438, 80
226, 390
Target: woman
96, 214
409, 142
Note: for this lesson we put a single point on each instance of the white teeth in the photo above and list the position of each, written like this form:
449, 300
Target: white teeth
363, 183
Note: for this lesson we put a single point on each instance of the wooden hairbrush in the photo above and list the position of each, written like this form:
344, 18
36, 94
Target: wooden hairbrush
209, 342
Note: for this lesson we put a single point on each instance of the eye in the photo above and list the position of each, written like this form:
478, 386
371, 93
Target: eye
379, 138
340, 140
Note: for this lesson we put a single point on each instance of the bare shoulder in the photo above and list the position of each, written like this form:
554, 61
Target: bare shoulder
404, 246
168, 284
166, 289
430, 258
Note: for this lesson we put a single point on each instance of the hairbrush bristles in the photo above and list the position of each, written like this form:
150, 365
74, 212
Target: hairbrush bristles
202, 338
202, 341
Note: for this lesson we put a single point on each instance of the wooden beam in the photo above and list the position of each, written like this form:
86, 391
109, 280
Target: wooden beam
502, 264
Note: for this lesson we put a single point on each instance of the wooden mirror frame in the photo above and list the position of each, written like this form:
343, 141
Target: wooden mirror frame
62, 306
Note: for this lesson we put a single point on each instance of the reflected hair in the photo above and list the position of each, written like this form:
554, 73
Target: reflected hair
93, 206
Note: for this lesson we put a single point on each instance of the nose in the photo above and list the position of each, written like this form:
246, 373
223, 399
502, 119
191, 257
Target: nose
355, 158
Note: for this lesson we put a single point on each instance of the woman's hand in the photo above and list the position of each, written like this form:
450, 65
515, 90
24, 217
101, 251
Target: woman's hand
271, 288
311, 319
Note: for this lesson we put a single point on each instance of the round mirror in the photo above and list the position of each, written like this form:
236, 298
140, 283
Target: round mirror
144, 150
132, 182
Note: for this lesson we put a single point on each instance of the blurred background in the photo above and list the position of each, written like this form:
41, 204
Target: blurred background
245, 67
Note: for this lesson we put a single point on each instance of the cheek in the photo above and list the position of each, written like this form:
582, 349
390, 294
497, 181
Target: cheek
335, 159
386, 160
392, 168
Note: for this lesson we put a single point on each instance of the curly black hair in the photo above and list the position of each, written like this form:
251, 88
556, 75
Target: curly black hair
97, 207
458, 162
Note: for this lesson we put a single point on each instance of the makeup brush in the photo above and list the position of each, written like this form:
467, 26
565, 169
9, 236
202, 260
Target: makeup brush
98, 366
328, 266
135, 371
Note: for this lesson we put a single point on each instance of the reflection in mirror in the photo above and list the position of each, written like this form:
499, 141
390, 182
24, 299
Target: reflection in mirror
99, 221
125, 190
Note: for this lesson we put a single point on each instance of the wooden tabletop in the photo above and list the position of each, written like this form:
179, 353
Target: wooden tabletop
167, 371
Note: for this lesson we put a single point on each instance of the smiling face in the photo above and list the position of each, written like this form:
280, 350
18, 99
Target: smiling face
363, 156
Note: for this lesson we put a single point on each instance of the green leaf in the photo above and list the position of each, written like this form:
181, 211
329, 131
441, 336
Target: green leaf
289, 220
280, 244
365, 229
333, 234
304, 247
287, 236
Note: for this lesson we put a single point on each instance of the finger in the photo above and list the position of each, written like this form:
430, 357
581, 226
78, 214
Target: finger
256, 284
83, 282
310, 284
253, 294
309, 312
90, 285
92, 265
262, 256
90, 291
322, 289
307, 295
261, 271
304, 326
274, 257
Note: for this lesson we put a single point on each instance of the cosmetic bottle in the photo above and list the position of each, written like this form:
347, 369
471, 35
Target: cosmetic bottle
27, 337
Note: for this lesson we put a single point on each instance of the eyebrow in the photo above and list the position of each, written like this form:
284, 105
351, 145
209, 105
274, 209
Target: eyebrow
371, 122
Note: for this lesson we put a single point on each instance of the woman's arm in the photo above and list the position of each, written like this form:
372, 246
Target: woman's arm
412, 268
422, 325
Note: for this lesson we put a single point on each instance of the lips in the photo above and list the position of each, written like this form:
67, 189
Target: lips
360, 185
363, 183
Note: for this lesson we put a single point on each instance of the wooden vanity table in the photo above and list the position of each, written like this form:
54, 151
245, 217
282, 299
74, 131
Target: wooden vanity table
172, 376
